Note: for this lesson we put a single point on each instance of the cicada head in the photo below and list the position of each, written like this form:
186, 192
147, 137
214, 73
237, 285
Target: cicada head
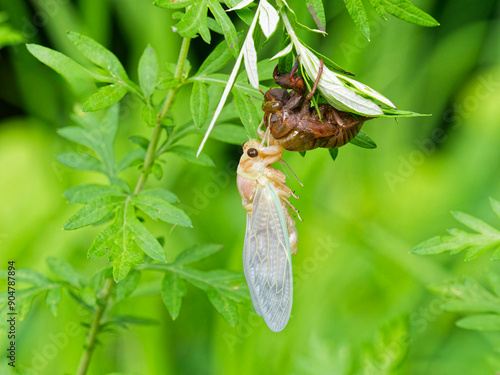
256, 158
274, 100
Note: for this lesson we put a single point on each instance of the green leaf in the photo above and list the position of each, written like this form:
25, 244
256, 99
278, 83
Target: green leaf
140, 141
144, 239
195, 22
80, 161
317, 12
149, 115
157, 171
148, 71
406, 11
475, 224
247, 111
9, 36
103, 242
91, 192
164, 194
363, 140
228, 133
379, 8
52, 300
125, 320
24, 275
125, 287
227, 26
225, 306
357, 11
159, 209
196, 253
174, 4
217, 59
128, 160
93, 212
334, 152
78, 135
483, 322
496, 206
64, 270
77, 76
199, 103
105, 97
494, 280
98, 54
173, 288
124, 252
189, 154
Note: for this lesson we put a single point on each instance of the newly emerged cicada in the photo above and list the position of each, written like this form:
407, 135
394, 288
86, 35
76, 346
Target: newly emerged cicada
271, 236
296, 125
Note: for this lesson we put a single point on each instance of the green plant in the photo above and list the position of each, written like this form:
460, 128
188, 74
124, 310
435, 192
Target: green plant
124, 206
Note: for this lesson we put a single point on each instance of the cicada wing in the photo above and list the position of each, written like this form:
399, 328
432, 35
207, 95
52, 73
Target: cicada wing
267, 259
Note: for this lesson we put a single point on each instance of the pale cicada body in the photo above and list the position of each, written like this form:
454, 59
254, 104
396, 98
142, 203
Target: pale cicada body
271, 236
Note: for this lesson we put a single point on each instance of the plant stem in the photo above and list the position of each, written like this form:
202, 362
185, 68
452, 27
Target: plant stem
165, 108
94, 328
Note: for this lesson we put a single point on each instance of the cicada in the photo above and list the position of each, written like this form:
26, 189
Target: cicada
271, 236
296, 125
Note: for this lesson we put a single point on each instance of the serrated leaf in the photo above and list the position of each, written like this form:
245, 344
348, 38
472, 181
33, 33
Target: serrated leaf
164, 194
103, 242
317, 11
247, 112
228, 133
433, 245
195, 22
189, 154
80, 161
124, 252
125, 287
174, 4
406, 11
227, 26
105, 97
91, 192
334, 152
64, 270
148, 71
357, 11
52, 300
225, 306
173, 288
363, 140
158, 209
199, 103
98, 54
196, 253
483, 322
92, 212
76, 75
217, 59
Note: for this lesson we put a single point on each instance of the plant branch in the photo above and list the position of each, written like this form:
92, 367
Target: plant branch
165, 108
95, 327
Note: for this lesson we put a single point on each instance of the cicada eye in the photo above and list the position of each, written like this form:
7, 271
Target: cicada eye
252, 152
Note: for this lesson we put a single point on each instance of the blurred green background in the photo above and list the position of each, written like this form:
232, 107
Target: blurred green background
362, 213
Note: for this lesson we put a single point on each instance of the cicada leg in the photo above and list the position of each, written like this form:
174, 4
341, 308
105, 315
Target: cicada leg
307, 101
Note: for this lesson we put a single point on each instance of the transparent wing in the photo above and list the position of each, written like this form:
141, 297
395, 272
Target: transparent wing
267, 260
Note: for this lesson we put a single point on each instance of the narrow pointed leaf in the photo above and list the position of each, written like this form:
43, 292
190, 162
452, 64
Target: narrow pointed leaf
159, 209
52, 300
199, 103
225, 306
92, 212
357, 11
247, 111
406, 11
105, 97
189, 154
483, 322
173, 288
227, 26
148, 71
196, 253
363, 140
91, 192
80, 161
63, 270
317, 11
